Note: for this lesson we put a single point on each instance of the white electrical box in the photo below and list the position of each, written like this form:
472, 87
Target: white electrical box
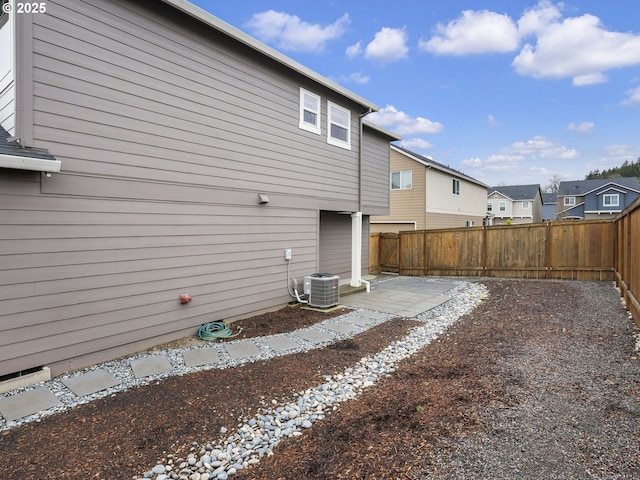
287, 254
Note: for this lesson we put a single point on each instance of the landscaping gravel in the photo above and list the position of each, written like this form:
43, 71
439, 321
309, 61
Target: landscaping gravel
258, 436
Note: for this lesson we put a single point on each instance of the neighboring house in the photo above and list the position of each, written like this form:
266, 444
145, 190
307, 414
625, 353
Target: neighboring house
515, 204
587, 199
549, 207
425, 194
149, 150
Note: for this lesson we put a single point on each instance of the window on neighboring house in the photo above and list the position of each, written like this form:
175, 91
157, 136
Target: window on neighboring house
502, 206
611, 200
309, 111
338, 126
525, 205
490, 207
401, 180
456, 186
569, 201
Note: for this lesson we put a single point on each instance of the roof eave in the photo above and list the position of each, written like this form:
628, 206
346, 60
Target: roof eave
29, 163
238, 35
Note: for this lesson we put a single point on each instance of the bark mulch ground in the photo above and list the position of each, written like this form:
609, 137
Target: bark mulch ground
542, 380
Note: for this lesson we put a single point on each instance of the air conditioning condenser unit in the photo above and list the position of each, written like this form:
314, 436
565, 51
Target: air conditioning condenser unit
322, 289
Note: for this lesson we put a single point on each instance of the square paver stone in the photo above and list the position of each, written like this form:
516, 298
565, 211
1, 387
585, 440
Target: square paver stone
280, 343
361, 321
242, 349
315, 336
200, 356
27, 403
341, 327
144, 367
91, 382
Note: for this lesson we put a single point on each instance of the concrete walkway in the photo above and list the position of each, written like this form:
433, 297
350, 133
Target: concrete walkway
392, 297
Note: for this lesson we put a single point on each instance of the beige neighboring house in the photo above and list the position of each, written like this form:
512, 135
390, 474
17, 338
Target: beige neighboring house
516, 204
425, 194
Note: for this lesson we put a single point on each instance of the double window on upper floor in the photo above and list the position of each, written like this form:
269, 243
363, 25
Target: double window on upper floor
338, 119
611, 200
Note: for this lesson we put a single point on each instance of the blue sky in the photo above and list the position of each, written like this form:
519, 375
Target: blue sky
507, 91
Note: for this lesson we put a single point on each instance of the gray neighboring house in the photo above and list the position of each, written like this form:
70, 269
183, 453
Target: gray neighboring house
149, 150
515, 203
549, 207
598, 198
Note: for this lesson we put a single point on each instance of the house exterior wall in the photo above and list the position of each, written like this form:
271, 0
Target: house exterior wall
167, 131
446, 210
7, 89
335, 244
407, 207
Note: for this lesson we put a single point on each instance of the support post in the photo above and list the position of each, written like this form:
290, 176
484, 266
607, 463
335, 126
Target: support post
356, 249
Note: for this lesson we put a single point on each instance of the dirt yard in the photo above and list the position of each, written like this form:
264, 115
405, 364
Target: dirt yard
542, 380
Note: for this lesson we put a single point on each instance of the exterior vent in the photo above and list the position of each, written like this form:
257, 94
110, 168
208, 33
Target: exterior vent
322, 289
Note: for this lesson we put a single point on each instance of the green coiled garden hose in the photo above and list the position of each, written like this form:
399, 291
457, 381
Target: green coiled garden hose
216, 330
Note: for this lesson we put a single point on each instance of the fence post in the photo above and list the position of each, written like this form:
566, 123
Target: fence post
547, 273
484, 250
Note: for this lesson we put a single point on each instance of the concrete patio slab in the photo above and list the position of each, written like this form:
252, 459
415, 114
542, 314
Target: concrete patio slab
145, 367
242, 349
27, 403
91, 382
200, 356
314, 336
280, 343
405, 297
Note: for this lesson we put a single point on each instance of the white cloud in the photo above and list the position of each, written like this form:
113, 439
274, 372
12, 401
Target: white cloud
492, 122
388, 45
578, 47
589, 79
541, 148
633, 97
535, 20
402, 124
416, 144
472, 33
584, 127
354, 50
290, 33
356, 78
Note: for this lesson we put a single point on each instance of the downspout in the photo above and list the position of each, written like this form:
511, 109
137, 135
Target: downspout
356, 217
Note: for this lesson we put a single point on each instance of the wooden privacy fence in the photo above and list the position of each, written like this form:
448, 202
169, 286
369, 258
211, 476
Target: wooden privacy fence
579, 250
627, 266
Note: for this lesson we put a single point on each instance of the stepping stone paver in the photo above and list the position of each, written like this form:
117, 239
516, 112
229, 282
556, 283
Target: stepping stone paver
200, 356
27, 403
242, 349
341, 327
280, 343
145, 367
91, 382
314, 336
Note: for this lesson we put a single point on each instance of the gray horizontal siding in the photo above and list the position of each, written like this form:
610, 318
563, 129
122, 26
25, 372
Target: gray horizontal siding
162, 103
89, 294
7, 108
375, 173
166, 132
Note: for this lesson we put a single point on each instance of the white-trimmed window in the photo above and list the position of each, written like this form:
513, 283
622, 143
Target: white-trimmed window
611, 200
489, 206
526, 205
502, 206
401, 180
309, 111
455, 186
568, 201
338, 126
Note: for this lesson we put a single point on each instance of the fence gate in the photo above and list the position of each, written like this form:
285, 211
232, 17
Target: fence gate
389, 252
